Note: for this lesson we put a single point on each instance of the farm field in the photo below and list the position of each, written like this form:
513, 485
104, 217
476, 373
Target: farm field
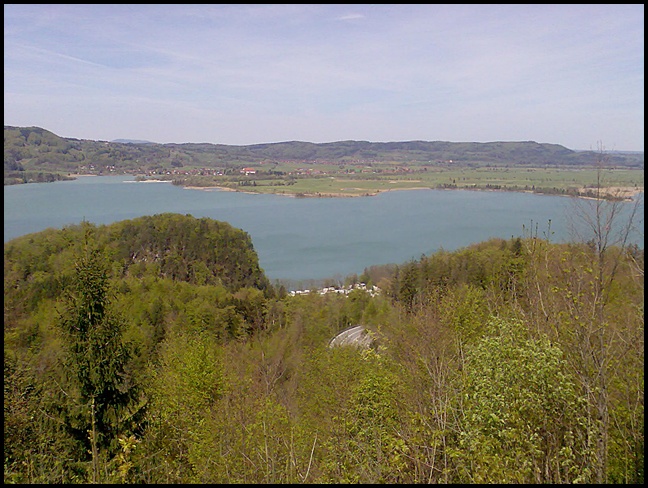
370, 182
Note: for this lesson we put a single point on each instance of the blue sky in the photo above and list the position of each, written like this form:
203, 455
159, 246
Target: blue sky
248, 74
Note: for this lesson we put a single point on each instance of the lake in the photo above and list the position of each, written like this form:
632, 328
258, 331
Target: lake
303, 238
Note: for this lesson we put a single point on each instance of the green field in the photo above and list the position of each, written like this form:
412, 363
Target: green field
330, 181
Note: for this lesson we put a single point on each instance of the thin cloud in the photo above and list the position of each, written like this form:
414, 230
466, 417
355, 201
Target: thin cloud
331, 72
351, 17
49, 53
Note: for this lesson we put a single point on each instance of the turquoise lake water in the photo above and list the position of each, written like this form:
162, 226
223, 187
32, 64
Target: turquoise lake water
303, 238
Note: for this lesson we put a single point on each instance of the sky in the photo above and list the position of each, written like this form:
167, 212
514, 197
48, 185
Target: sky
242, 74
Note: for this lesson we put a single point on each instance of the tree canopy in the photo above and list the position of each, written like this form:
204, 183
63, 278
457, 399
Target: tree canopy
155, 350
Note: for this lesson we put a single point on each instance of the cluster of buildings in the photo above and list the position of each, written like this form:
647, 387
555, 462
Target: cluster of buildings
344, 290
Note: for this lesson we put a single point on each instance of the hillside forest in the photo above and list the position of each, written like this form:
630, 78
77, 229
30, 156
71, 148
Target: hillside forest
155, 350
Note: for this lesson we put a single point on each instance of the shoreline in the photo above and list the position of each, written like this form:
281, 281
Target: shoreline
149, 181
626, 194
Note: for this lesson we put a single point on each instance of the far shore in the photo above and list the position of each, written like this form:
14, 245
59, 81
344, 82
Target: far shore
624, 193
149, 181
368, 193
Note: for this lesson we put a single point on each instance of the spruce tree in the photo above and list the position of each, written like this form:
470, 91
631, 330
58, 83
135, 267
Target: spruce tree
96, 358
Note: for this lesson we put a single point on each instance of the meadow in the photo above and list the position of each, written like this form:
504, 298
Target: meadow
340, 180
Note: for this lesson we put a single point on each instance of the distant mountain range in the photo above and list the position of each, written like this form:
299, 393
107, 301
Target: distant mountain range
132, 141
33, 149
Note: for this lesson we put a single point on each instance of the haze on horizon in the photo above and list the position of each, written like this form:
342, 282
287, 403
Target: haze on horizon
244, 74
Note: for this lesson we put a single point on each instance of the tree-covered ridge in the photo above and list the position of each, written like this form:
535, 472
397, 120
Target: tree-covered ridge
32, 150
180, 247
199, 251
509, 361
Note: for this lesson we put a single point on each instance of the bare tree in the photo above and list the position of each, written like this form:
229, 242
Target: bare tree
607, 223
607, 220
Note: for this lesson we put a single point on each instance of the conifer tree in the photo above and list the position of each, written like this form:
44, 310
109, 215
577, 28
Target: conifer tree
96, 357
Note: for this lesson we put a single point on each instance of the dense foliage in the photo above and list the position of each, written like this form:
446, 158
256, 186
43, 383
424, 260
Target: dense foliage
155, 351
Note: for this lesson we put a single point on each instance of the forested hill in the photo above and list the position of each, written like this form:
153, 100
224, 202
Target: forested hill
33, 149
179, 247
